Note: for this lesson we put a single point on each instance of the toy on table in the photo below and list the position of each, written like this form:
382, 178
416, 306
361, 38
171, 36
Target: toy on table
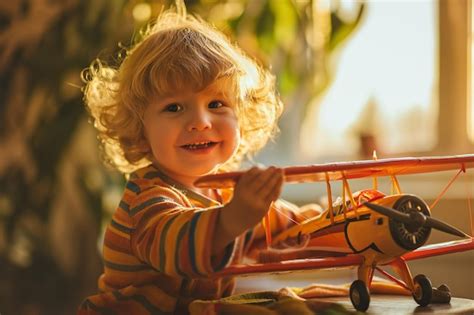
365, 229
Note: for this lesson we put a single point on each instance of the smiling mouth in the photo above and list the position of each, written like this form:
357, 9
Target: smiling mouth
199, 145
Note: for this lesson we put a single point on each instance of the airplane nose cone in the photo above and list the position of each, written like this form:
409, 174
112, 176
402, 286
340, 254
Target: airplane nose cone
414, 234
418, 220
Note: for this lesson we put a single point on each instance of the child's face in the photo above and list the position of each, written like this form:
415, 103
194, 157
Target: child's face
191, 133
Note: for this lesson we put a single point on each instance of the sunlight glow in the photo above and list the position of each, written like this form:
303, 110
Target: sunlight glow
385, 85
141, 12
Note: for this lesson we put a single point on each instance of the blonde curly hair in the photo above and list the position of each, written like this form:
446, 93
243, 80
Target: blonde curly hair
176, 50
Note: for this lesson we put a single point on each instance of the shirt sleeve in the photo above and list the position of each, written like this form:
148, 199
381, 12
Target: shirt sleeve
174, 237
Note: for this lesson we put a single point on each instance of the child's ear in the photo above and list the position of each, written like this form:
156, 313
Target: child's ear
143, 146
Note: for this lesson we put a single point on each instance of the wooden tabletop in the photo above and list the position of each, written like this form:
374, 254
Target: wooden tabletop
404, 305
379, 304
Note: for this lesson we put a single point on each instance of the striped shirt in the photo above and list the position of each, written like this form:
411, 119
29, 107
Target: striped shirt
157, 248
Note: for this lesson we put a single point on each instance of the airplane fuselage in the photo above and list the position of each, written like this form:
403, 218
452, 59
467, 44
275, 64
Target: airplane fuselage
360, 230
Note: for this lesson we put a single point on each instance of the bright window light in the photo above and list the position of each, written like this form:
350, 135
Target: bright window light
385, 85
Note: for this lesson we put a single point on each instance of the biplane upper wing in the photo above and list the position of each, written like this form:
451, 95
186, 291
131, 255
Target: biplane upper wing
351, 260
354, 169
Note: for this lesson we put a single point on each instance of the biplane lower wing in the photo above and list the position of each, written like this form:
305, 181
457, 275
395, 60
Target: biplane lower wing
440, 249
292, 265
352, 260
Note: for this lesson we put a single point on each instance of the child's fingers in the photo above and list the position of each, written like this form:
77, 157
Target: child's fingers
249, 177
263, 179
255, 178
272, 188
257, 187
275, 193
294, 242
266, 180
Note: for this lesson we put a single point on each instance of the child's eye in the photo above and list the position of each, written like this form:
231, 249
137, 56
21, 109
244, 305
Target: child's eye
173, 108
215, 104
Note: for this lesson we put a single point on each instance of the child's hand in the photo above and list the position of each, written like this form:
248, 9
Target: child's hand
253, 194
292, 243
255, 191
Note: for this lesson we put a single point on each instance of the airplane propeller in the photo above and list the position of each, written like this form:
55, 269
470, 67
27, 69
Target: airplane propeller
416, 218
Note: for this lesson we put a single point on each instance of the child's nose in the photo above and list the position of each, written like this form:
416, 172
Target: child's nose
199, 121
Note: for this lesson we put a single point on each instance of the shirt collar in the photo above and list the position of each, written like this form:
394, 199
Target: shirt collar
152, 172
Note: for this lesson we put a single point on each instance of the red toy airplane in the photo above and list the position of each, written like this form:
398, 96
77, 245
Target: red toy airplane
395, 226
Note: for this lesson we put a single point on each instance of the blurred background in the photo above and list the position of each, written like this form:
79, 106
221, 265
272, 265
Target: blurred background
356, 76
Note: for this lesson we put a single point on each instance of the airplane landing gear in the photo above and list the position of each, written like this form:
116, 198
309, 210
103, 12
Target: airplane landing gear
423, 291
441, 295
360, 296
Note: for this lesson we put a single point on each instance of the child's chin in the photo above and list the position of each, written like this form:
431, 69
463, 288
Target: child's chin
202, 171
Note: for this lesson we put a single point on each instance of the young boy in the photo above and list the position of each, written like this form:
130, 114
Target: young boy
184, 103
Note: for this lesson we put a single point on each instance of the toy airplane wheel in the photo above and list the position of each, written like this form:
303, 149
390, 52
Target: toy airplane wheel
423, 291
360, 296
